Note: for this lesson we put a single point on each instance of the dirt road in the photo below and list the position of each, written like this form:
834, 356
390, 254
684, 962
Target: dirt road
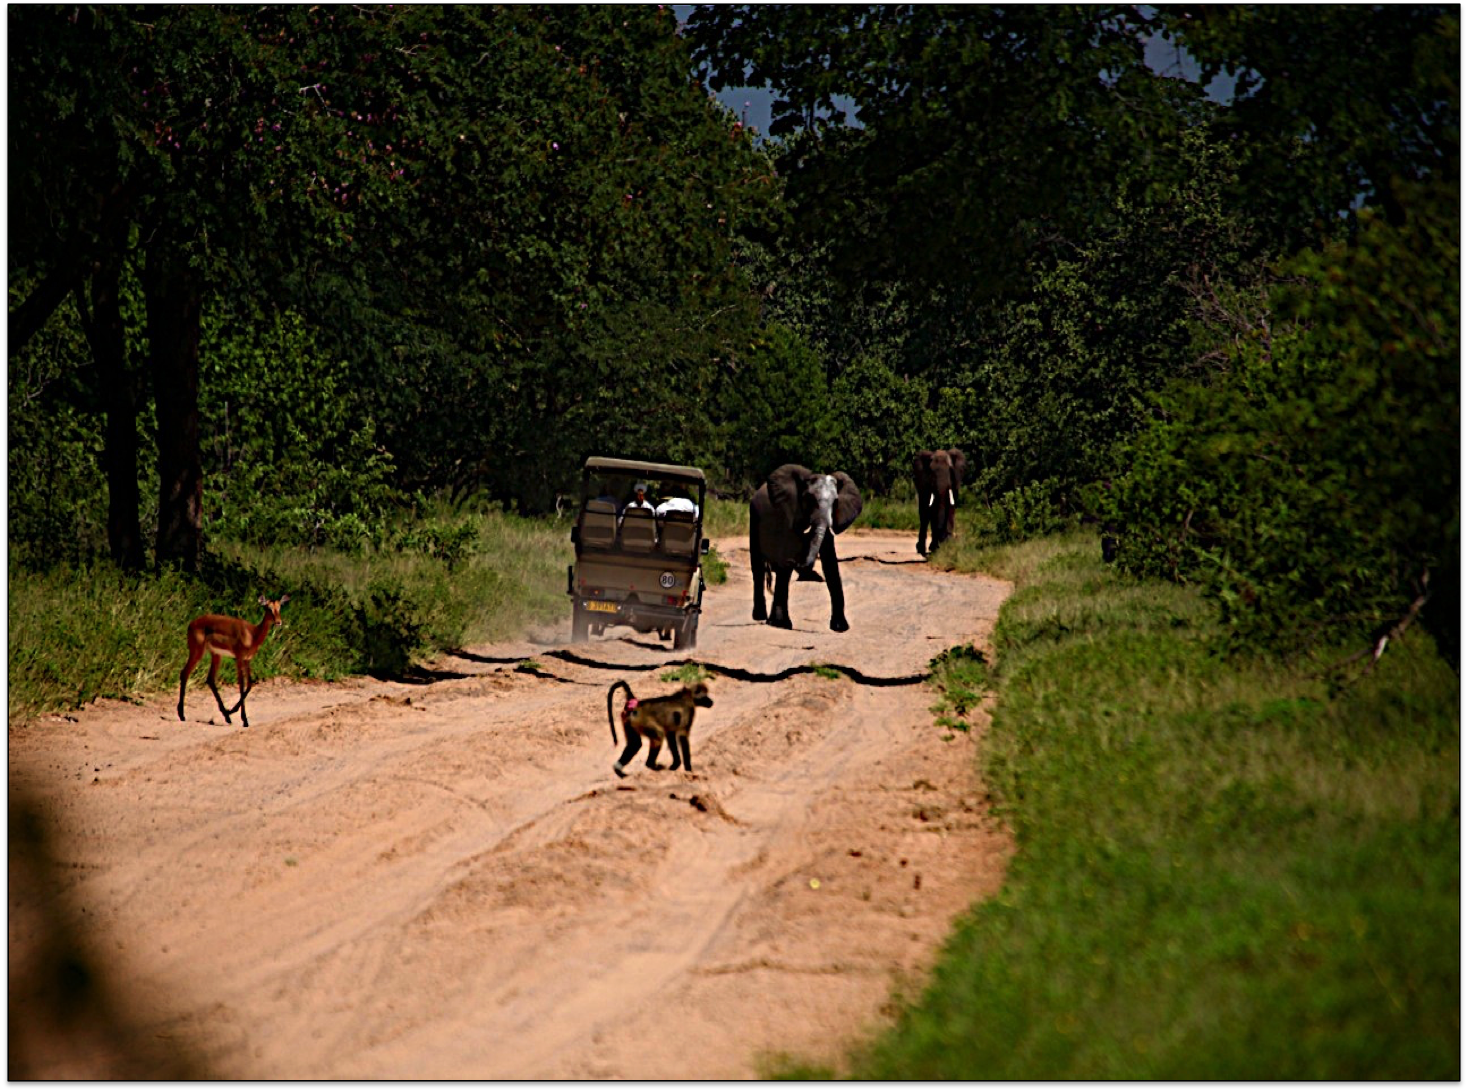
446, 880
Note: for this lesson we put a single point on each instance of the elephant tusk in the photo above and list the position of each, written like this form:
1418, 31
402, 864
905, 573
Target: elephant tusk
951, 501
932, 500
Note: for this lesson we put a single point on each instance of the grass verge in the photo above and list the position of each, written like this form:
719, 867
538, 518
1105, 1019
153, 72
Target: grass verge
78, 633
1224, 871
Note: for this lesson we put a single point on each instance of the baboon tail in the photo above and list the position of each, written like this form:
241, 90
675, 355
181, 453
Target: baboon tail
611, 720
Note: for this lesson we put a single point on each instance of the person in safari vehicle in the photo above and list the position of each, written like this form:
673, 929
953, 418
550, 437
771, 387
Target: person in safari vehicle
639, 498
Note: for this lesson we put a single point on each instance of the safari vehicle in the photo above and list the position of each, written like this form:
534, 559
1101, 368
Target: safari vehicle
634, 566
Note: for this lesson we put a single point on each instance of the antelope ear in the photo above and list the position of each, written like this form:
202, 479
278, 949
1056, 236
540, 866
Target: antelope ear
848, 503
263, 600
960, 464
787, 484
284, 599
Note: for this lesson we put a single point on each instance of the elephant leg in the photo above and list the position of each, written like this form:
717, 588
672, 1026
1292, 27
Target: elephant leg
757, 565
832, 568
780, 611
922, 526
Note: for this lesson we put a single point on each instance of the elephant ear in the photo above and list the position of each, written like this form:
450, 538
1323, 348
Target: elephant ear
786, 485
922, 467
960, 464
848, 503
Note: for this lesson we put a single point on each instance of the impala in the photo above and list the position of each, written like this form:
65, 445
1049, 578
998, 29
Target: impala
221, 635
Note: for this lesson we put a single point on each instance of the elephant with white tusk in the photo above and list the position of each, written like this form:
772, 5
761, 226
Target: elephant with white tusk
793, 519
937, 475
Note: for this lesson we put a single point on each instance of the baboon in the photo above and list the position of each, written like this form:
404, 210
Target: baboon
669, 717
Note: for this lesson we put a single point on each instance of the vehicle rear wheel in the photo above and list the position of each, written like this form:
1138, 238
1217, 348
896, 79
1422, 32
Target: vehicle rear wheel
580, 623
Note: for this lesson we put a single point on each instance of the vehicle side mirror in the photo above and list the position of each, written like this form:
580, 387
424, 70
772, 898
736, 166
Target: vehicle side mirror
575, 535
703, 547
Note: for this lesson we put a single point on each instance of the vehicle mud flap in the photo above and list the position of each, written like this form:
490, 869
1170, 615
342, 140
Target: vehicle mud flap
686, 635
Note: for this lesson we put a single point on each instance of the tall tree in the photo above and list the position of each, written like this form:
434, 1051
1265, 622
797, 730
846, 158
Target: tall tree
470, 202
155, 105
1336, 105
982, 128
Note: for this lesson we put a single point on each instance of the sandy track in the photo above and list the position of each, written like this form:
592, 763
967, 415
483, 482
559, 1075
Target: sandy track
385, 880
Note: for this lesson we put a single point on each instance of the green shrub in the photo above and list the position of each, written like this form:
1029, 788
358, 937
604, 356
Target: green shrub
1313, 490
1031, 511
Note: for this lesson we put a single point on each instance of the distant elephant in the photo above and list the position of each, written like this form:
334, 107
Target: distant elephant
793, 519
937, 475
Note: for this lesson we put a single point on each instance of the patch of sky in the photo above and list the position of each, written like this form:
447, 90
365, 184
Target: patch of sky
753, 105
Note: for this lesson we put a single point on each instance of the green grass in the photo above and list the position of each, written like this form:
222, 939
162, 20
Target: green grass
715, 568
79, 633
1224, 872
82, 632
687, 674
723, 518
512, 574
889, 514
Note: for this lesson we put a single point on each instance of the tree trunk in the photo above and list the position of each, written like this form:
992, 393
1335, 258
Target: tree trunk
175, 294
107, 338
70, 267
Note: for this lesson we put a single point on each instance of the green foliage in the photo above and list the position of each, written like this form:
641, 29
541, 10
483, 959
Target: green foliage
946, 178
57, 508
1031, 511
1223, 871
1330, 103
962, 677
687, 674
450, 542
1313, 490
777, 408
78, 633
1106, 322
391, 632
530, 257
288, 457
585, 290
885, 421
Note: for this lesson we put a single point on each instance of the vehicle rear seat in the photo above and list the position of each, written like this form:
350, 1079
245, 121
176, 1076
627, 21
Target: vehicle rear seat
677, 533
639, 530
599, 524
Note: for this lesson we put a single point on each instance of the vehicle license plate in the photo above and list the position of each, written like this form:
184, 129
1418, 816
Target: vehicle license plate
597, 604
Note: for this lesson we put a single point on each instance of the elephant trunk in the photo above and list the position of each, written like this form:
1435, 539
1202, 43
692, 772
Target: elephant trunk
817, 539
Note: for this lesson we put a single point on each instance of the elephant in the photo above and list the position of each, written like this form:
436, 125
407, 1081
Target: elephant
937, 475
793, 519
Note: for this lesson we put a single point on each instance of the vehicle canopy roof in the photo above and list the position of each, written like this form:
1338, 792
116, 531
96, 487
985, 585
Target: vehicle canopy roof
598, 464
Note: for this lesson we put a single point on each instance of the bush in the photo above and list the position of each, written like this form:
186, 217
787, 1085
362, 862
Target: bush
1313, 491
1031, 511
